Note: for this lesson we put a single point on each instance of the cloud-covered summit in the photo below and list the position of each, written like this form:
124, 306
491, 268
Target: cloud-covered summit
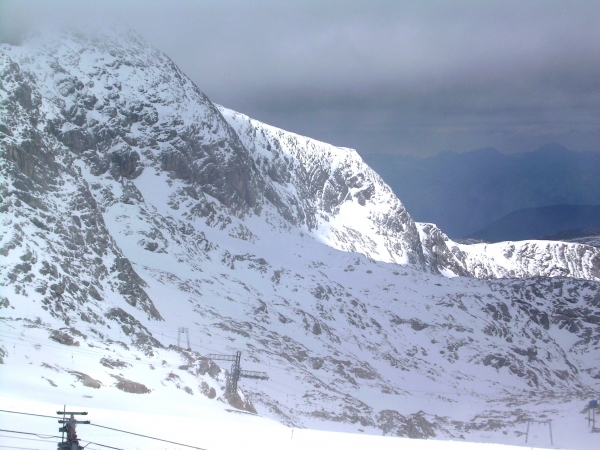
415, 77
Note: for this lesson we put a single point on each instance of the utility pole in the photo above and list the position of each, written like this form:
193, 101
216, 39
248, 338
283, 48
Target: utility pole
185, 332
236, 370
71, 442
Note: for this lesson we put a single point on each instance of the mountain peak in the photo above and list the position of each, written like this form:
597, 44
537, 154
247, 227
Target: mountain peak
133, 207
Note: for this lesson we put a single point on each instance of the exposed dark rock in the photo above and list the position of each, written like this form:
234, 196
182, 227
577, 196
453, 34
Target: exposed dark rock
70, 167
414, 426
77, 140
125, 163
4, 303
151, 246
63, 338
237, 402
114, 363
207, 390
131, 287
86, 380
131, 387
139, 334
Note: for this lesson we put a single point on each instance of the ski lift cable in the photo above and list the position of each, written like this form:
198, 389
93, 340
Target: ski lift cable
20, 340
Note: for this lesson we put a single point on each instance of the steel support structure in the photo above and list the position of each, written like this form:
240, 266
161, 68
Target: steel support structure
236, 370
183, 331
548, 422
70, 441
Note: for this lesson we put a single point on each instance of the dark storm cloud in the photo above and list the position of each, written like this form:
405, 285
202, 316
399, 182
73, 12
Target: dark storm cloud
414, 77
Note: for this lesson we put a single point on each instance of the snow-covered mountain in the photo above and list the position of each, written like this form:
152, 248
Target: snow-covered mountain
134, 208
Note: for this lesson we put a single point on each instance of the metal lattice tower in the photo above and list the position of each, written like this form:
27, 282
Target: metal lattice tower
185, 332
236, 370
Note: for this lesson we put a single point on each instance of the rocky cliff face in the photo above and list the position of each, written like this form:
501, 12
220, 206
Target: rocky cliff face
509, 259
132, 206
121, 107
347, 204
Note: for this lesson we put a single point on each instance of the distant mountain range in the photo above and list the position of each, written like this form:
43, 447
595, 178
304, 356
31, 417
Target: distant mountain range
463, 193
578, 236
558, 222
575, 235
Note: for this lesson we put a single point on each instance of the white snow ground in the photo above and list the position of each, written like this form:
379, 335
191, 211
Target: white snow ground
209, 427
343, 336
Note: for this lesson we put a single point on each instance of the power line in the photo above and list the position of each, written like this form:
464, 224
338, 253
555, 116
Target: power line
26, 414
27, 439
90, 352
44, 436
21, 340
31, 434
20, 448
192, 343
99, 426
306, 372
145, 436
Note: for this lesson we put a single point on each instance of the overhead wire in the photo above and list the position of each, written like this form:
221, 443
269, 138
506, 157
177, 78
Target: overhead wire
99, 426
176, 339
26, 414
19, 339
48, 437
146, 436
31, 434
318, 377
22, 340
20, 448
91, 352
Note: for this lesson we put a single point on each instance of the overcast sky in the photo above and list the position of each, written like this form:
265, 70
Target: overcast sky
414, 77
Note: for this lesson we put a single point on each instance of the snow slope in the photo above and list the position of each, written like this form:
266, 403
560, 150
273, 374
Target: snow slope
196, 426
133, 207
366, 215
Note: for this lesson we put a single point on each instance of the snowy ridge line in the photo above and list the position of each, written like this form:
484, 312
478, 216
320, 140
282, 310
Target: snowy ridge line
346, 226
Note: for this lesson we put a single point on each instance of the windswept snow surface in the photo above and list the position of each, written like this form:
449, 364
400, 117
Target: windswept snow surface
134, 209
209, 428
